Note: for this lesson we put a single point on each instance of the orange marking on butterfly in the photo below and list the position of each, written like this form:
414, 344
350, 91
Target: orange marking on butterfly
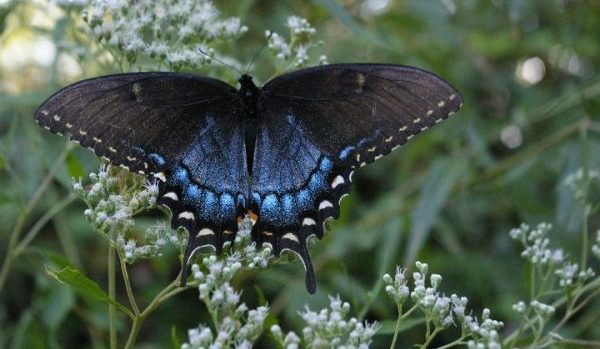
253, 216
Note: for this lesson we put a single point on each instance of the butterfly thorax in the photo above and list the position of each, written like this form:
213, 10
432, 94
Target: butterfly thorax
249, 93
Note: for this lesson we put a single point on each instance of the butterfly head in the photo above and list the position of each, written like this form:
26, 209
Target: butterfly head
246, 83
249, 94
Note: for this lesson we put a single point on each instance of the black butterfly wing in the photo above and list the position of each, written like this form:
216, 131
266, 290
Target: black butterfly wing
317, 125
183, 129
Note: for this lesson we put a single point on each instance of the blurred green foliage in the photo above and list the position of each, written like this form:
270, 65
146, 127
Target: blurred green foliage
528, 74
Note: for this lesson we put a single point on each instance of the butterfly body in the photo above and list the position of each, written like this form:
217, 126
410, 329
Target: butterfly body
282, 155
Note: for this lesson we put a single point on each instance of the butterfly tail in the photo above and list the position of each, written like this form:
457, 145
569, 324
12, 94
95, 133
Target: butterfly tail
297, 244
311, 284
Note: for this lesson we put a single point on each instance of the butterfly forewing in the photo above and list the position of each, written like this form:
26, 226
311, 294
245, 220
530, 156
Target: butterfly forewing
184, 129
345, 105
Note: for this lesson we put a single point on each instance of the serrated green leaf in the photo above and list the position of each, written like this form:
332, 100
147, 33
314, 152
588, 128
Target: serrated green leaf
83, 285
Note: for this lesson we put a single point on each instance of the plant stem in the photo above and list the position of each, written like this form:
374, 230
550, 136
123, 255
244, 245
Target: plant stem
35, 198
135, 329
532, 282
453, 343
56, 208
134, 306
112, 324
581, 342
171, 290
397, 330
430, 336
586, 186
572, 310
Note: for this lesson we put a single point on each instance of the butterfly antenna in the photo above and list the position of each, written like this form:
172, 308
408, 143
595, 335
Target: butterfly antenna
220, 61
251, 64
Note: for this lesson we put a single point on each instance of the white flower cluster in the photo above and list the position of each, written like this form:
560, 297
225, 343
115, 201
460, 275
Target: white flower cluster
214, 275
239, 329
536, 244
596, 246
397, 287
71, 3
578, 182
294, 50
487, 332
544, 310
113, 198
440, 310
556, 272
569, 275
235, 325
329, 328
177, 32
155, 238
538, 253
435, 305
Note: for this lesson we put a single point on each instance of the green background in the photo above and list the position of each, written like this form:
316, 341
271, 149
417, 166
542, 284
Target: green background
448, 197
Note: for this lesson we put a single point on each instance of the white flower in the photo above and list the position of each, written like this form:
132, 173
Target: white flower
520, 307
544, 310
161, 29
567, 274
596, 246
332, 326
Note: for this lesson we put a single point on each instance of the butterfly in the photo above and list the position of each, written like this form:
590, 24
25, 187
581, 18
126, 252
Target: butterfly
282, 155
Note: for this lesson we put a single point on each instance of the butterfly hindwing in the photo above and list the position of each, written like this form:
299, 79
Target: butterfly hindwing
318, 125
182, 129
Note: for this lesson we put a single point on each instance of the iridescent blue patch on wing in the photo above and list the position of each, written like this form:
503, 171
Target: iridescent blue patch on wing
157, 159
287, 201
192, 194
304, 198
255, 198
325, 166
316, 182
288, 208
346, 152
209, 204
269, 210
363, 142
226, 206
181, 176
241, 200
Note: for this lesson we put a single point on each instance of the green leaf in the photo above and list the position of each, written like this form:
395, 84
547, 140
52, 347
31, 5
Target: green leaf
82, 284
591, 106
174, 340
60, 301
388, 327
390, 246
74, 166
339, 12
442, 176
